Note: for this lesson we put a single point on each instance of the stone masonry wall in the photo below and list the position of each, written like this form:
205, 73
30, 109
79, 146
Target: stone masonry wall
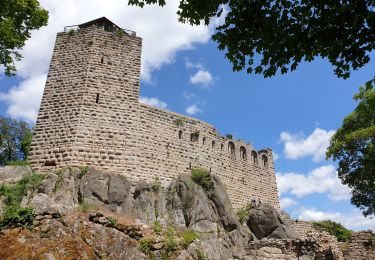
361, 246
90, 115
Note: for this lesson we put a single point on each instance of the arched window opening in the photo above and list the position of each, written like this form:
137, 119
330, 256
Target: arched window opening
231, 148
213, 144
254, 157
194, 137
243, 153
265, 160
222, 147
180, 134
204, 140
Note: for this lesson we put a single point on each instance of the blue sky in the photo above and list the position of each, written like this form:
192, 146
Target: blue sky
182, 70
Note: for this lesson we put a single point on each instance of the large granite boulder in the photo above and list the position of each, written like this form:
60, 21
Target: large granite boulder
265, 222
196, 207
223, 206
9, 174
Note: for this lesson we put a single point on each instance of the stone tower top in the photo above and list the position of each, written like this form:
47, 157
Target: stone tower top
103, 23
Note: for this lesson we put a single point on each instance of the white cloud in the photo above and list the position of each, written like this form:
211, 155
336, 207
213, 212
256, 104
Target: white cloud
352, 219
193, 109
24, 98
163, 37
191, 65
276, 156
287, 202
320, 180
153, 101
297, 146
202, 77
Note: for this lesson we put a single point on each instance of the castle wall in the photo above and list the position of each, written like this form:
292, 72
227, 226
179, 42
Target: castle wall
90, 115
165, 155
361, 246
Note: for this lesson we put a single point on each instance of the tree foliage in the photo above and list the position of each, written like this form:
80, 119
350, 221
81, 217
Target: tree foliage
335, 229
17, 19
353, 146
15, 140
269, 36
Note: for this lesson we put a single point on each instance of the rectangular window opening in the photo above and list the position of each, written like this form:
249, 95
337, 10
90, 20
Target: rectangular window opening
97, 98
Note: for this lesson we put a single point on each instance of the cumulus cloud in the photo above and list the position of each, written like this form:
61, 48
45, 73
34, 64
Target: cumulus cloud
276, 156
153, 101
24, 98
193, 109
320, 180
202, 77
287, 202
352, 219
297, 146
163, 37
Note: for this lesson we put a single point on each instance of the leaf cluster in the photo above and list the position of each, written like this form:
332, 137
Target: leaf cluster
170, 244
157, 227
14, 193
14, 215
17, 217
335, 229
353, 146
188, 236
17, 19
203, 178
266, 37
243, 213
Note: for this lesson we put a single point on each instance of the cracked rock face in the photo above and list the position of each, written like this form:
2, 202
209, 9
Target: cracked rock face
265, 222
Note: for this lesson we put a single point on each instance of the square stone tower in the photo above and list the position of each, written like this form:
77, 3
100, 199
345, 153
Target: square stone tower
90, 98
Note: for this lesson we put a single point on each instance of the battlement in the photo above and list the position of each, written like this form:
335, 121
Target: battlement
91, 115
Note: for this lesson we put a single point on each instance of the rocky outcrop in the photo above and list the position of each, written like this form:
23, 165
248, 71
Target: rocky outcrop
265, 222
89, 214
10, 174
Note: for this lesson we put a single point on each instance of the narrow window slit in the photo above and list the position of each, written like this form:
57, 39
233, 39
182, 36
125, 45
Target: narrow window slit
97, 98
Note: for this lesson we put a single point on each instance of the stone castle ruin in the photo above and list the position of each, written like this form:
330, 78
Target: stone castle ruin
91, 115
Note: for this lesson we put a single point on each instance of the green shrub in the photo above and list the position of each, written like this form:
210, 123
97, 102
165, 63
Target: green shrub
229, 136
71, 32
179, 122
59, 181
145, 245
170, 244
120, 33
14, 193
203, 178
157, 227
15, 216
336, 229
188, 236
84, 170
242, 215
16, 163
156, 185
112, 221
